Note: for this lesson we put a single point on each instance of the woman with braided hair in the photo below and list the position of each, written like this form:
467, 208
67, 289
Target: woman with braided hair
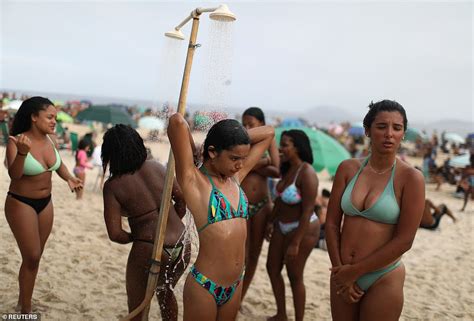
134, 191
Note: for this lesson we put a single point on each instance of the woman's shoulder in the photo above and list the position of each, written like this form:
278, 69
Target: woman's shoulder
408, 172
350, 165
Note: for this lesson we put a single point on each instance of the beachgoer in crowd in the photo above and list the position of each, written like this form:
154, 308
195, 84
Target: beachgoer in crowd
255, 186
81, 165
293, 225
31, 159
321, 208
432, 215
468, 173
212, 290
134, 190
382, 200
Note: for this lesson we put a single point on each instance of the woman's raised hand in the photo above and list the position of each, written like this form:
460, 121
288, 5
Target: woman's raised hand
23, 143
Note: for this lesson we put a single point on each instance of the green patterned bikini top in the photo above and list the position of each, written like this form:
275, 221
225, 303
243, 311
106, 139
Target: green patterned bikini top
220, 208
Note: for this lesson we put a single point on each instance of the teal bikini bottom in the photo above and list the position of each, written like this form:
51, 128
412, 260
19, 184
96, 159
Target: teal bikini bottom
366, 280
221, 294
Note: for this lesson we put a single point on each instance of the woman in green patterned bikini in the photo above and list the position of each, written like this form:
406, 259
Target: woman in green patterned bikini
212, 290
255, 186
382, 202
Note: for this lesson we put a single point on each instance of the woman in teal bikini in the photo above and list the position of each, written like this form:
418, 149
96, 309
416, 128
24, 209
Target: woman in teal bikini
31, 160
295, 226
212, 192
134, 190
381, 202
255, 187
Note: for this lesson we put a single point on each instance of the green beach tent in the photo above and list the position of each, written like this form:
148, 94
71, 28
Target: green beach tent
328, 153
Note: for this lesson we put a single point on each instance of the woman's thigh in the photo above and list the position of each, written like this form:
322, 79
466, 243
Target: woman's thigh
340, 309
384, 299
45, 223
295, 267
198, 303
276, 251
136, 275
23, 222
228, 311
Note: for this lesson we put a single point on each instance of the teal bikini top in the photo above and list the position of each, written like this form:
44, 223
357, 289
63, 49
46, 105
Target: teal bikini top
32, 167
385, 209
220, 208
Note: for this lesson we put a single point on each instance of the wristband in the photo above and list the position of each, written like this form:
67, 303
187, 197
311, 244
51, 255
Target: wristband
21, 154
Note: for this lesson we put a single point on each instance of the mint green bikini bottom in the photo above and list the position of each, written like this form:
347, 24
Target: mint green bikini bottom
366, 280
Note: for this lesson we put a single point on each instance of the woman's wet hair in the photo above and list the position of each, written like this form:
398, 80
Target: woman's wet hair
122, 150
31, 106
224, 135
255, 112
384, 105
301, 142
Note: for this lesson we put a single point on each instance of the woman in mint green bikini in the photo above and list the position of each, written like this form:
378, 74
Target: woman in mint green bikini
381, 201
31, 160
255, 187
220, 208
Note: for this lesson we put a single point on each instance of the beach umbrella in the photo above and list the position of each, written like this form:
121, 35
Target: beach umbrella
454, 138
109, 114
13, 105
328, 153
357, 129
152, 123
292, 122
412, 134
64, 117
460, 161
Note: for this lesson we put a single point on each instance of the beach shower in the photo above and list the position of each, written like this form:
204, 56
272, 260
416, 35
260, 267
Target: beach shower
221, 14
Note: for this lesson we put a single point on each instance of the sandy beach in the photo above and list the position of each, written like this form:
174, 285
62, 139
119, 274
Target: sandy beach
82, 273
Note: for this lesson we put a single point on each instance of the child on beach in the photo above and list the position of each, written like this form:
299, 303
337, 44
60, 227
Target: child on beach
81, 164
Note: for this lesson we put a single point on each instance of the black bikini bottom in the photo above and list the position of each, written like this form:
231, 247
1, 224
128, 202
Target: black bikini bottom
37, 204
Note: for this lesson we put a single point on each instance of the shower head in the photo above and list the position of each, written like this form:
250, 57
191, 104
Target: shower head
175, 34
222, 13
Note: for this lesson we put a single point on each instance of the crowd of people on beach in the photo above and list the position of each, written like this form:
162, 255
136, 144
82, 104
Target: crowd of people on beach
366, 222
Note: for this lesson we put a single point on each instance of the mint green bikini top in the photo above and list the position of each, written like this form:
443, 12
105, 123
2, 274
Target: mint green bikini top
32, 167
385, 209
220, 208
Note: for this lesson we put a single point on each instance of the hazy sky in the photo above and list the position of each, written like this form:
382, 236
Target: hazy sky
286, 55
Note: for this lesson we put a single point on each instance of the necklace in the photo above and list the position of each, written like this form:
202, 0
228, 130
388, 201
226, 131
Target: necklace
379, 172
